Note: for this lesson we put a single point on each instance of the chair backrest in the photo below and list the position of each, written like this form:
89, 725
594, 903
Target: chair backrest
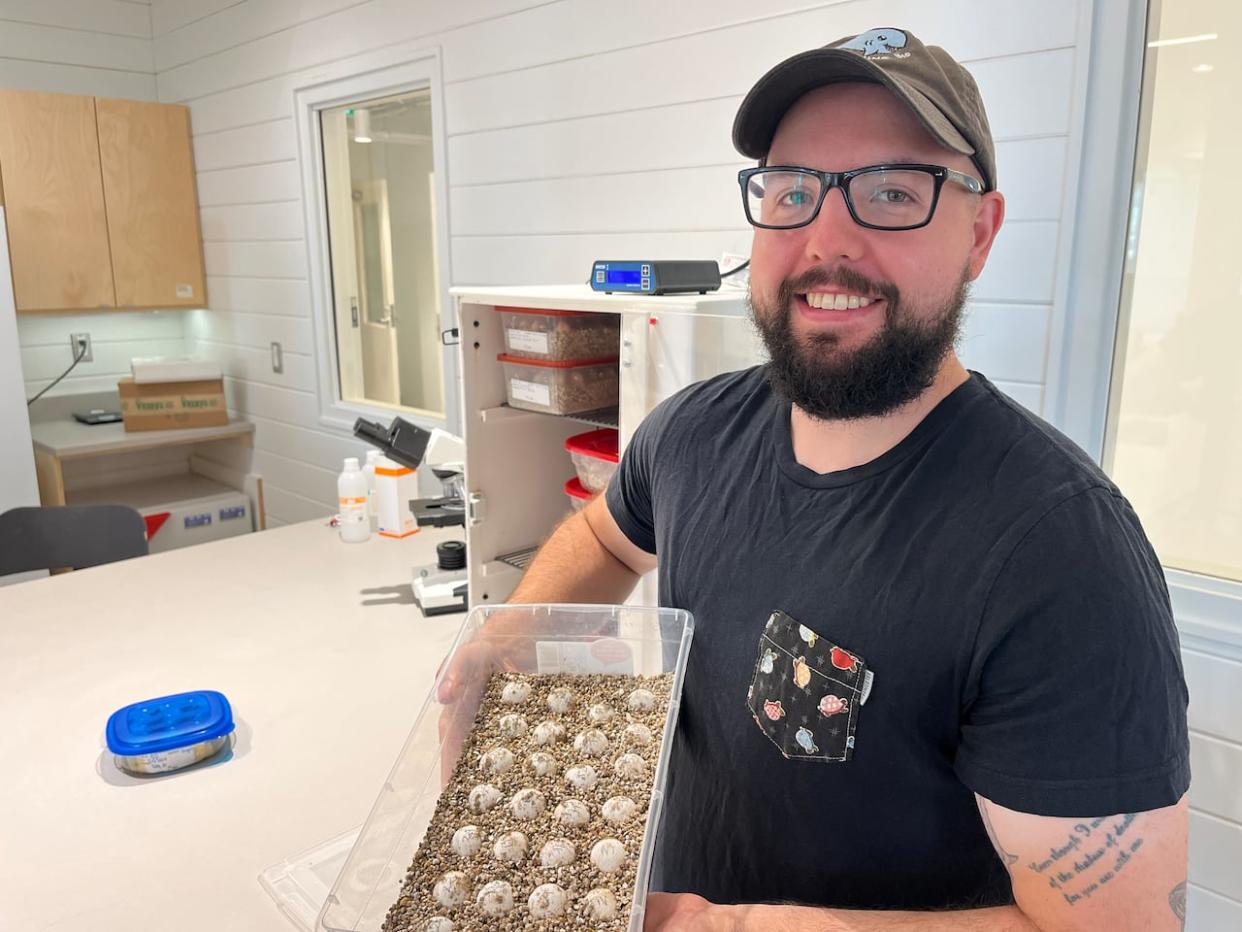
75, 536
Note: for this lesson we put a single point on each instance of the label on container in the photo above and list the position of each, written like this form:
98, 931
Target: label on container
528, 341
353, 510
185, 291
606, 655
531, 392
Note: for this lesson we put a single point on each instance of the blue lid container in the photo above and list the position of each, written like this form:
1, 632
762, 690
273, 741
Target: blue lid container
169, 723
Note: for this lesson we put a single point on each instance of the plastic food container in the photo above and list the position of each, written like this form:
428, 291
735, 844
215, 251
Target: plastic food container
595, 457
578, 496
632, 641
171, 732
560, 387
559, 336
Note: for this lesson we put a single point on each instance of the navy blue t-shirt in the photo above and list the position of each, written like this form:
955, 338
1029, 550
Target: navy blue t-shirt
977, 610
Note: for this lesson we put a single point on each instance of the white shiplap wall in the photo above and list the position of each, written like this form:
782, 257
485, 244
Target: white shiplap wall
100, 48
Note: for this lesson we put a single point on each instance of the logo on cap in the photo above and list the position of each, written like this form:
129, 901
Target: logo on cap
876, 42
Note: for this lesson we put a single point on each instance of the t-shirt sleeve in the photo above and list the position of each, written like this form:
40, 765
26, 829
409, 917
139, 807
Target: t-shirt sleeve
1075, 700
631, 491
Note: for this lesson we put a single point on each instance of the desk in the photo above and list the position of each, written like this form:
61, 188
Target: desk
324, 689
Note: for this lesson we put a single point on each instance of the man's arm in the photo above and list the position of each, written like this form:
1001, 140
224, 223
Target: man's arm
1117, 873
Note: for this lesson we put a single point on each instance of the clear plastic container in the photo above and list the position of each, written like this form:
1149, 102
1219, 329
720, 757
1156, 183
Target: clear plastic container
560, 387
170, 732
578, 496
595, 457
632, 641
560, 336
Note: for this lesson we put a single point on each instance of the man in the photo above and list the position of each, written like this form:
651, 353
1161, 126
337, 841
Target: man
935, 682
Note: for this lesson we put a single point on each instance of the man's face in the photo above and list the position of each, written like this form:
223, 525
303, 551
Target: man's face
867, 360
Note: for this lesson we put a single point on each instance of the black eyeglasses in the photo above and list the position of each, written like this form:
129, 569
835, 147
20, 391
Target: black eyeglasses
879, 197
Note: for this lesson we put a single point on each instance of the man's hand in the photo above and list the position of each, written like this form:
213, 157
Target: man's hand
684, 912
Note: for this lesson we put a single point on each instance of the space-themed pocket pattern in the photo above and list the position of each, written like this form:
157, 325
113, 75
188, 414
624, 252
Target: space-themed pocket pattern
807, 691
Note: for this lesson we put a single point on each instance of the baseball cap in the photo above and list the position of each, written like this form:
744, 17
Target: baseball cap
926, 78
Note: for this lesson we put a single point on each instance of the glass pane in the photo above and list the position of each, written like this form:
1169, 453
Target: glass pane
1175, 433
379, 185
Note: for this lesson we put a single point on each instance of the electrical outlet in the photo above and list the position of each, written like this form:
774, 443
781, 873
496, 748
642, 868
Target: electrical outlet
278, 364
76, 343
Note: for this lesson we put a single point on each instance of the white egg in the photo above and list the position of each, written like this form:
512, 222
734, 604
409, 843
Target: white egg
560, 700
452, 889
572, 812
548, 733
496, 761
527, 804
591, 742
608, 855
467, 841
637, 733
483, 797
512, 725
438, 924
600, 903
515, 692
582, 777
541, 764
557, 853
547, 900
642, 700
619, 809
600, 713
630, 766
510, 848
495, 898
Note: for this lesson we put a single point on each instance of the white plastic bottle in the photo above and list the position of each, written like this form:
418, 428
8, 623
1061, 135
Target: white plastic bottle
351, 491
373, 457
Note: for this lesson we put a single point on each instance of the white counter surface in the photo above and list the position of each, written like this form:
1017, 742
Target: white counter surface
324, 688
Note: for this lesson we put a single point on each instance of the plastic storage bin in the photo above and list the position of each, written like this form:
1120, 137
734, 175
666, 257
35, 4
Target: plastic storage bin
578, 496
560, 387
559, 336
595, 457
170, 732
633, 641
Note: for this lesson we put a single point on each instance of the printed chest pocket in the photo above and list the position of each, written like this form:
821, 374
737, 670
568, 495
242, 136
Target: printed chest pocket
807, 692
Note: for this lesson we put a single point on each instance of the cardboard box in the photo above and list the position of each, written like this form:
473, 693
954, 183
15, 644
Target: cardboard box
172, 405
395, 486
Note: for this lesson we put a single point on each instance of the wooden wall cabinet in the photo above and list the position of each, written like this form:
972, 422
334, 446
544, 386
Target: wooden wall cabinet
102, 206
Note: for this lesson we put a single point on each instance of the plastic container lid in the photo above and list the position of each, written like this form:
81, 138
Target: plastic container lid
545, 312
575, 489
554, 363
599, 444
169, 722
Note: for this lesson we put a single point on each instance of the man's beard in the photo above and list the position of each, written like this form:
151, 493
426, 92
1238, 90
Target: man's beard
894, 367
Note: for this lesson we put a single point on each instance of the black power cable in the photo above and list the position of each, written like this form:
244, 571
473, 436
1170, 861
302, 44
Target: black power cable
77, 359
735, 271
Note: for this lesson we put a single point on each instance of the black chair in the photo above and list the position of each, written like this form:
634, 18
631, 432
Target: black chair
74, 536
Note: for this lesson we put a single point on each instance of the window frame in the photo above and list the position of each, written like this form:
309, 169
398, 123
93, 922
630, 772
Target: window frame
1086, 335
382, 73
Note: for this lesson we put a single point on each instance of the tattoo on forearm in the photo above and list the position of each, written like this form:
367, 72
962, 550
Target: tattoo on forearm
1095, 853
991, 830
1177, 902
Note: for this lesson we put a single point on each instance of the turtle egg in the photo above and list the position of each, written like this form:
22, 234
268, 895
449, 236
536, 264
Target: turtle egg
582, 777
438, 924
510, 848
642, 700
619, 809
512, 725
608, 855
495, 898
546, 901
600, 713
452, 889
572, 812
600, 903
483, 797
467, 841
630, 766
495, 761
542, 764
591, 742
560, 700
557, 853
515, 692
548, 733
637, 733
527, 804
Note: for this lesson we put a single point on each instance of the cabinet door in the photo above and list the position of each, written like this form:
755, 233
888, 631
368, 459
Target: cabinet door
58, 233
148, 182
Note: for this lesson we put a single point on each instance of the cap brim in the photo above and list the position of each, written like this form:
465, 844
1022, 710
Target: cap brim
768, 101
